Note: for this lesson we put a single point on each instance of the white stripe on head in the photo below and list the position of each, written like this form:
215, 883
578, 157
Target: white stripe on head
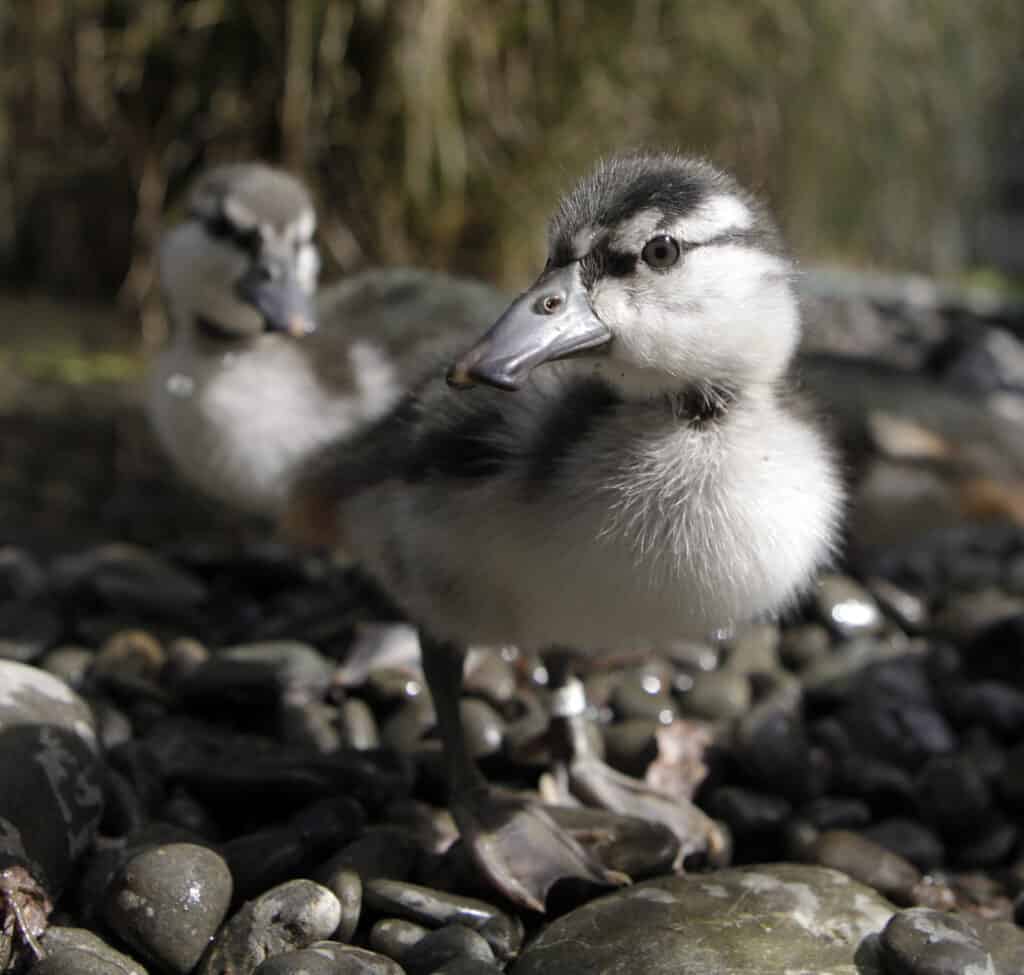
302, 229
637, 230
716, 216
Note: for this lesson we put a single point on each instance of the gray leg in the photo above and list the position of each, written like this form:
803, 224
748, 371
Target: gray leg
514, 841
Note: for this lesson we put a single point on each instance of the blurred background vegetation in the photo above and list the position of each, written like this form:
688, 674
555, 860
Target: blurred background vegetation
885, 132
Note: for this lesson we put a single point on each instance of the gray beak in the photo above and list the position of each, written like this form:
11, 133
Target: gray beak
275, 292
550, 321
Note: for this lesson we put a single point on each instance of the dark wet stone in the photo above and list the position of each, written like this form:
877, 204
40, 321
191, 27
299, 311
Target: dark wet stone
868, 862
505, 933
909, 839
289, 917
801, 646
847, 607
1011, 782
52, 797
130, 579
835, 812
444, 945
1004, 941
358, 726
748, 813
644, 692
303, 962
382, 851
630, 746
28, 628
69, 663
715, 924
395, 937
467, 966
491, 676
952, 794
831, 679
884, 787
991, 841
258, 675
425, 905
906, 608
988, 624
773, 751
271, 856
394, 685
920, 941
356, 961
21, 575
169, 901
990, 704
718, 694
483, 726
755, 649
347, 886
433, 827
75, 951
113, 726
310, 725
409, 724
897, 731
182, 809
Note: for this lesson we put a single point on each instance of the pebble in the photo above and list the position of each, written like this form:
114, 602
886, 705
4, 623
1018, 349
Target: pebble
836, 812
357, 725
75, 951
890, 874
920, 941
21, 575
288, 917
755, 649
746, 812
718, 694
801, 646
453, 941
382, 851
130, 579
909, 839
952, 794
28, 628
630, 746
129, 653
69, 663
52, 796
483, 727
644, 693
395, 937
329, 958
847, 607
425, 905
169, 901
773, 750
715, 924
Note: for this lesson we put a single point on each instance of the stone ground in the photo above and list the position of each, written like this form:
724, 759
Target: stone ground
217, 754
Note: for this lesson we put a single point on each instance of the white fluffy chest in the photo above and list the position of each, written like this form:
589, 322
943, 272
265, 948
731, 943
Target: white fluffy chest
639, 542
236, 424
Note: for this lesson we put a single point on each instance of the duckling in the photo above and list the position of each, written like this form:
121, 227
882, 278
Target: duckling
620, 464
248, 384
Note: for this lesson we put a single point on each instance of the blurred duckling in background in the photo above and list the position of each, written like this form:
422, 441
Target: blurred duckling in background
623, 466
259, 369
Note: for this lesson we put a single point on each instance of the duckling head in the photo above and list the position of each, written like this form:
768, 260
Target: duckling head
244, 262
662, 274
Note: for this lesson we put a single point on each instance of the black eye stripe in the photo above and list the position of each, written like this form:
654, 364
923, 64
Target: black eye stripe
248, 239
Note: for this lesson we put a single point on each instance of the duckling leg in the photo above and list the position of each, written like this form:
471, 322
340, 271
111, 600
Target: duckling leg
513, 840
598, 784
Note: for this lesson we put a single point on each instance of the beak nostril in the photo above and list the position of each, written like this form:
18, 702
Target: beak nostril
549, 304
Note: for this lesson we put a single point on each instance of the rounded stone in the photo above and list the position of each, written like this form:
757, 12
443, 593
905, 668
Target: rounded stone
75, 951
868, 862
52, 798
920, 941
168, 902
288, 917
847, 607
763, 920
28, 628
444, 945
356, 961
718, 694
395, 937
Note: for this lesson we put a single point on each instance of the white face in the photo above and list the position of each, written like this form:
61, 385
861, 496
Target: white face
199, 271
699, 305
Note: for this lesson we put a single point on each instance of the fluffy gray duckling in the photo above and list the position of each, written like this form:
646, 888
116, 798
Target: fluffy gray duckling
259, 369
624, 467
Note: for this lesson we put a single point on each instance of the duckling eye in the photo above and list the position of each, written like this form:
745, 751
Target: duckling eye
660, 252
